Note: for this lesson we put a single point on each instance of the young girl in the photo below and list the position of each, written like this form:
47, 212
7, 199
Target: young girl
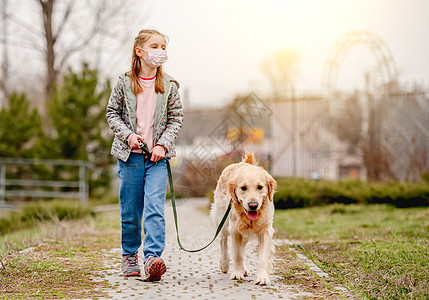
145, 107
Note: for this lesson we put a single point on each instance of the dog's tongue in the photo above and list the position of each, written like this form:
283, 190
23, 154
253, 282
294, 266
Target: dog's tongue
252, 215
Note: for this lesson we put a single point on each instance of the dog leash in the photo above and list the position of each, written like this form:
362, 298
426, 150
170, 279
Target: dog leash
143, 146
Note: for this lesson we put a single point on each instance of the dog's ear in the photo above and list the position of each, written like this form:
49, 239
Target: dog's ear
272, 185
231, 189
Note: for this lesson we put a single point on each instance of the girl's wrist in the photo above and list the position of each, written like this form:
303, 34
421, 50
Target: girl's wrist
165, 148
130, 137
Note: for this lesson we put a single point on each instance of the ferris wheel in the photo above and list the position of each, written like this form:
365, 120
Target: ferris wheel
385, 64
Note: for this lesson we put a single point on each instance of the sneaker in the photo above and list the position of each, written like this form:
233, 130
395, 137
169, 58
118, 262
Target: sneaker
130, 265
154, 268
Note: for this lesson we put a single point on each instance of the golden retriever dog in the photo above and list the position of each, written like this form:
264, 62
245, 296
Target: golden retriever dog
251, 189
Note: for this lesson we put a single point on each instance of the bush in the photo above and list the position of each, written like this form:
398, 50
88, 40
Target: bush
30, 214
297, 192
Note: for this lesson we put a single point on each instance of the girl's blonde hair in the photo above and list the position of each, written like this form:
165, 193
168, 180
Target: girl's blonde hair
134, 71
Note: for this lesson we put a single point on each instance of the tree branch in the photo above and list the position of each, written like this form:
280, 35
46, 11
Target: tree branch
32, 29
95, 29
23, 45
78, 47
65, 18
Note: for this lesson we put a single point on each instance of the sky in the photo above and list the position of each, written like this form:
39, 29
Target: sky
216, 47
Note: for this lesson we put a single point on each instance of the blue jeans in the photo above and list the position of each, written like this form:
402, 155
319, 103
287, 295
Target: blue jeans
143, 188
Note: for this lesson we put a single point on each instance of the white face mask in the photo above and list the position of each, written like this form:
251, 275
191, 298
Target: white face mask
155, 57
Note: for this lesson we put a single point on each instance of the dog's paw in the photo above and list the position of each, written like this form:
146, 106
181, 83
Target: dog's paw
262, 279
246, 272
237, 275
224, 265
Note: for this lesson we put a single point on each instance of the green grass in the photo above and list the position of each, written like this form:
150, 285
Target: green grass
41, 211
66, 257
377, 251
35, 221
337, 221
53, 270
299, 276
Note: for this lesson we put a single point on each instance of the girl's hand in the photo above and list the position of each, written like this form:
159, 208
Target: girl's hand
134, 139
158, 153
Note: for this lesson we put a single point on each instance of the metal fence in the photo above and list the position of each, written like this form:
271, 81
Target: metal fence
35, 188
404, 134
392, 142
298, 137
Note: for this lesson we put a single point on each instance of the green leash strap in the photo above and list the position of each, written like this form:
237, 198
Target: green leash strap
173, 201
147, 154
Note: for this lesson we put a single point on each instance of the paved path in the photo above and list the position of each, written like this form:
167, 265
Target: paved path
196, 275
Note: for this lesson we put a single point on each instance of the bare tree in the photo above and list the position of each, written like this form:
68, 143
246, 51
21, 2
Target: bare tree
5, 64
66, 28
348, 122
280, 68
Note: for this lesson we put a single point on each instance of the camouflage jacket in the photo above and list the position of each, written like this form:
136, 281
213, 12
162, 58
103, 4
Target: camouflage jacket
121, 116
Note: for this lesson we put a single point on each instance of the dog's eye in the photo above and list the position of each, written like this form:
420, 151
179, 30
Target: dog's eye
259, 187
243, 188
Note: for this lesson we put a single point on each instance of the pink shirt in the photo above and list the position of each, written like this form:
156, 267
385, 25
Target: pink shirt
145, 111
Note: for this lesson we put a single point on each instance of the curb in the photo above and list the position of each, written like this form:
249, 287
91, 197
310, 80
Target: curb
319, 272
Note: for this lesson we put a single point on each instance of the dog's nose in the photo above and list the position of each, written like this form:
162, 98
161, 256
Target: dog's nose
253, 205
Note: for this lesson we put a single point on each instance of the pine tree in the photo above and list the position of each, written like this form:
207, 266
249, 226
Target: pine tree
77, 113
20, 127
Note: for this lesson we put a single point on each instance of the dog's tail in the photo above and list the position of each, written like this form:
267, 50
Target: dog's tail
249, 158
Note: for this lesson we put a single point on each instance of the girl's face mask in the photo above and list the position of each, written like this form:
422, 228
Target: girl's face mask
155, 57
